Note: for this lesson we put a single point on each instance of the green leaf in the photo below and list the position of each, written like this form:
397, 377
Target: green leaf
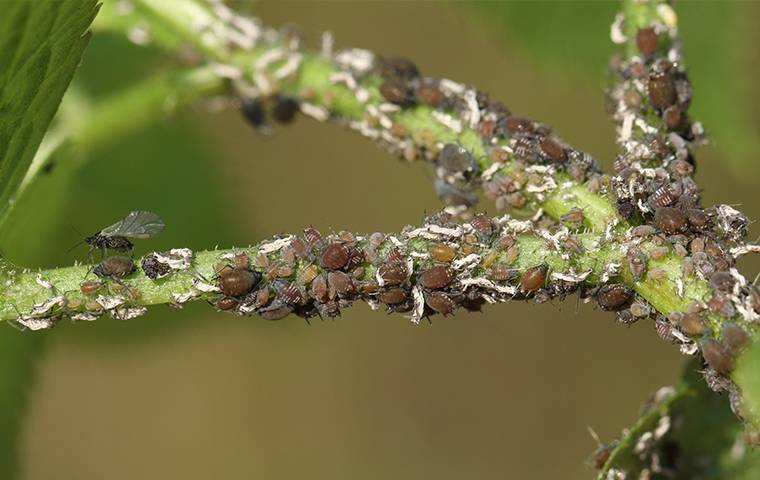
703, 438
747, 376
41, 45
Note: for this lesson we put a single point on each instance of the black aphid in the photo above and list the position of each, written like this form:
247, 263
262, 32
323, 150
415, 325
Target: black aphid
137, 224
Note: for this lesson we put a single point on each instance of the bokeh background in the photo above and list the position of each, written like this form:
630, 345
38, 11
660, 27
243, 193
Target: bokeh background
508, 393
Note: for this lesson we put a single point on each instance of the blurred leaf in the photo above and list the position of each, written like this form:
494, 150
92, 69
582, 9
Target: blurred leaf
41, 44
719, 39
569, 36
703, 438
19, 350
747, 376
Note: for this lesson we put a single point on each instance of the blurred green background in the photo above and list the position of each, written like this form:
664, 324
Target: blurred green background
193, 394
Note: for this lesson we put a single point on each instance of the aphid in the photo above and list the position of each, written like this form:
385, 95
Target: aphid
429, 94
614, 296
626, 317
573, 244
721, 304
394, 91
625, 207
692, 324
673, 117
88, 287
285, 109
319, 288
137, 224
722, 281
698, 218
552, 150
502, 272
482, 225
440, 302
453, 195
334, 257
533, 278
643, 231
632, 98
393, 272
662, 89
307, 274
657, 274
574, 217
637, 262
329, 309
519, 125
523, 148
341, 283
734, 338
716, 356
289, 293
437, 276
253, 111
663, 196
640, 309
275, 312
442, 252
237, 282
226, 303
153, 268
300, 248
646, 40
312, 235
116, 266
670, 220
455, 159
397, 67
393, 296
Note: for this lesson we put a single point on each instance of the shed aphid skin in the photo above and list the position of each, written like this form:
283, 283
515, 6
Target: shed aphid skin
136, 225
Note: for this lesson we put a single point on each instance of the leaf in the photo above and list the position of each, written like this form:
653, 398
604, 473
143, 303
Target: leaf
41, 45
747, 376
687, 430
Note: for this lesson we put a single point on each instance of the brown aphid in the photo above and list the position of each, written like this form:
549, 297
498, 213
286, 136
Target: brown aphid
334, 257
657, 274
440, 302
722, 281
393, 273
533, 278
290, 294
258, 298
632, 98
574, 217
261, 261
698, 218
734, 338
437, 276
637, 262
429, 94
275, 312
319, 288
393, 296
642, 231
670, 220
662, 89
573, 244
490, 258
506, 241
716, 356
663, 196
341, 283
614, 296
442, 252
626, 317
241, 261
312, 235
397, 67
237, 282
640, 309
673, 117
307, 274
519, 125
88, 287
646, 40
692, 324
226, 303
116, 266
502, 272
523, 148
552, 150
482, 225
300, 249
394, 91
720, 304
658, 252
